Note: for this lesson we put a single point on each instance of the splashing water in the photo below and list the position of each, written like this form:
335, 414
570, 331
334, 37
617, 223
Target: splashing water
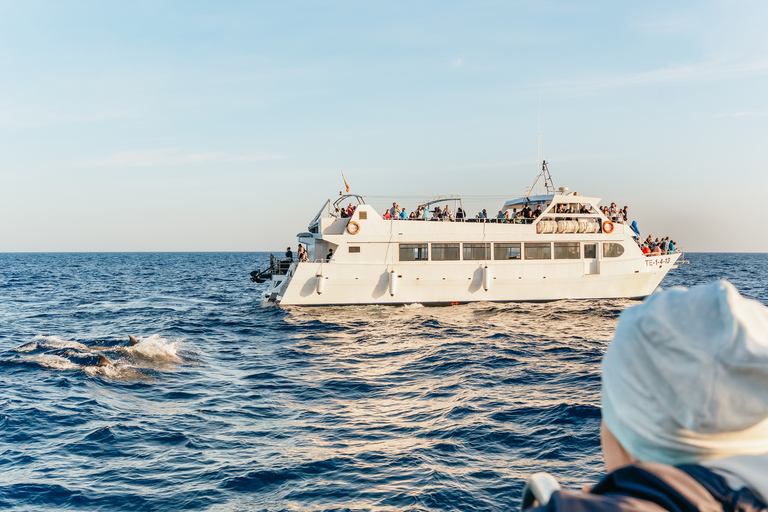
154, 348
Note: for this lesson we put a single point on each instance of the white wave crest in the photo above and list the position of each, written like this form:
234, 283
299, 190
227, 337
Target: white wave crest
415, 305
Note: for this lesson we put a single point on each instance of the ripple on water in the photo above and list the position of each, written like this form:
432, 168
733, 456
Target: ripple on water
227, 404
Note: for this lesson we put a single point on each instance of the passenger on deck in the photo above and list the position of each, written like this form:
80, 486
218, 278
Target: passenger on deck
500, 217
437, 213
403, 215
289, 254
460, 215
447, 213
302, 253
350, 210
329, 255
537, 212
424, 213
656, 251
671, 246
684, 407
393, 210
387, 215
344, 214
614, 213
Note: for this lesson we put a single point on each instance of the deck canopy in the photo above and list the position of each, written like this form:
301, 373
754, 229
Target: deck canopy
456, 200
546, 200
351, 198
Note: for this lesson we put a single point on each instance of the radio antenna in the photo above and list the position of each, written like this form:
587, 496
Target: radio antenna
543, 178
540, 152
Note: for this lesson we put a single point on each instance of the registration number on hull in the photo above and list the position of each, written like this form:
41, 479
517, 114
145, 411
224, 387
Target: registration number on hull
657, 261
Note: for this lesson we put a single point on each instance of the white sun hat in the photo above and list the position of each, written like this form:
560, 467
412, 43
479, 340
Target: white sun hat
685, 378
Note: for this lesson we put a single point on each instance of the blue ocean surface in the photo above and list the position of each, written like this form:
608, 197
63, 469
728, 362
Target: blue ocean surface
229, 404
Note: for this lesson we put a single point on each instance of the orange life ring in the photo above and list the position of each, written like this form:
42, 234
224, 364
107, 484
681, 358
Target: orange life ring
351, 225
608, 227
454, 303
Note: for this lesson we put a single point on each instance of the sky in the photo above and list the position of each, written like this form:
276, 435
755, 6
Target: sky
224, 126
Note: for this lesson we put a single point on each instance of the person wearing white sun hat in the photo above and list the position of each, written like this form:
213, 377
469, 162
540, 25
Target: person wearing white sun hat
685, 408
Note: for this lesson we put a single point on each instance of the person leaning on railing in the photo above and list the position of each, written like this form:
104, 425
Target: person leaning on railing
684, 409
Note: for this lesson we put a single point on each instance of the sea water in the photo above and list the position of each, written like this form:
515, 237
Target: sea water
229, 404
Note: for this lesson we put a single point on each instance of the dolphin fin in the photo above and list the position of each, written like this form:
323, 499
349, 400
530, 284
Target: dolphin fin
103, 361
132, 341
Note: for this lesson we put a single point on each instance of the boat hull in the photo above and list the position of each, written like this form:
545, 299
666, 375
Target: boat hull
458, 282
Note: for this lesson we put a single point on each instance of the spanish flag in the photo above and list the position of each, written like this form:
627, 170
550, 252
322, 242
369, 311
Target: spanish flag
345, 181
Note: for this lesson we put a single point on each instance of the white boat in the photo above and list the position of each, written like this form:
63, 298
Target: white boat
439, 262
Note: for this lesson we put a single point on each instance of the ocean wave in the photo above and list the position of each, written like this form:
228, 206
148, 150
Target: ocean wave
225, 404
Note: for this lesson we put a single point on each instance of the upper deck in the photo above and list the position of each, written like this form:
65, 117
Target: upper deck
558, 214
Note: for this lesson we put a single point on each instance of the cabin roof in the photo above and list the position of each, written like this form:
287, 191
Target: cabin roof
553, 198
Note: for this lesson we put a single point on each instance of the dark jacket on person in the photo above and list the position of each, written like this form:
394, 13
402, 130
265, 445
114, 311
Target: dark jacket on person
653, 487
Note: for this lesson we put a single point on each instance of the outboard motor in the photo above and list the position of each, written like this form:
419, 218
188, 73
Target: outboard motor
258, 276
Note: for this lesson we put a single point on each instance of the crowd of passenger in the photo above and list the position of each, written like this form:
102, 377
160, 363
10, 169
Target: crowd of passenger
616, 214
657, 247
302, 256
525, 215
344, 213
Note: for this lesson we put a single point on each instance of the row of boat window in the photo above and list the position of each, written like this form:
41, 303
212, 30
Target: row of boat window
505, 251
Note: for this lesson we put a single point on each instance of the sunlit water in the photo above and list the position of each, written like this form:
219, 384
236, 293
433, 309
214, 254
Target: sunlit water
226, 404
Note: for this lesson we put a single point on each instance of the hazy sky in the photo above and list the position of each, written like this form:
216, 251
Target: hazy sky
190, 125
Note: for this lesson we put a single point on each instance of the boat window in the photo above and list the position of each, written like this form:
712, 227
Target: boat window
612, 250
538, 251
477, 251
506, 251
445, 252
567, 251
353, 248
362, 215
590, 250
414, 252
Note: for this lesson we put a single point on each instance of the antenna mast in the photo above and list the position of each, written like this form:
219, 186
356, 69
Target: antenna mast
542, 183
543, 179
